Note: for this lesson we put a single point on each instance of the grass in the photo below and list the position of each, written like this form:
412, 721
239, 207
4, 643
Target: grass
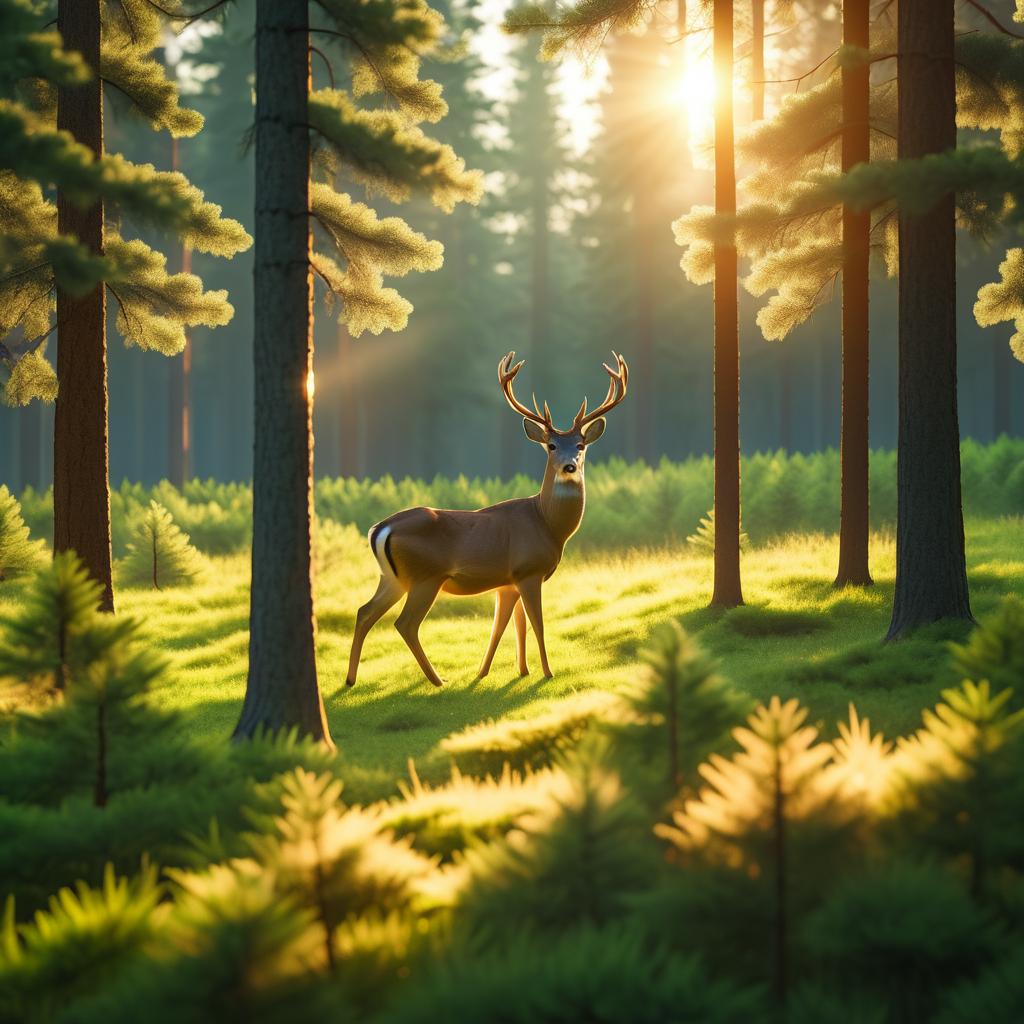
796, 636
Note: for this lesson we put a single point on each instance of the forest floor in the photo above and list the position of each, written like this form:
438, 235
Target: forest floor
796, 636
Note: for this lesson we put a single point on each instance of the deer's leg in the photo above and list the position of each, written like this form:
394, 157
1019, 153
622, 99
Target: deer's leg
520, 622
529, 590
505, 599
388, 592
414, 611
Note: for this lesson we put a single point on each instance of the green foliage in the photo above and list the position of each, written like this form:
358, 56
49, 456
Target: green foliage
18, 554
995, 650
76, 945
958, 785
591, 974
900, 933
154, 307
578, 861
58, 627
336, 861
160, 555
486, 749
996, 996
703, 538
682, 708
446, 819
580, 28
386, 152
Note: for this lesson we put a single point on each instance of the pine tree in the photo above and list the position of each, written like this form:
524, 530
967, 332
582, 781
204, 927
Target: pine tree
65, 248
384, 151
159, 554
333, 860
684, 707
958, 782
995, 650
18, 554
49, 634
763, 810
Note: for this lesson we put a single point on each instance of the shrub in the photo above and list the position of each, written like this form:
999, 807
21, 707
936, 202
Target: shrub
159, 554
521, 744
901, 933
606, 975
995, 650
18, 554
579, 860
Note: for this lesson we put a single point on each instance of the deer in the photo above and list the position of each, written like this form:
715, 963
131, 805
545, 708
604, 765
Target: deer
512, 547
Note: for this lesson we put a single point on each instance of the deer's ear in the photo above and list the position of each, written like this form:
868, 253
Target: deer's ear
535, 432
592, 431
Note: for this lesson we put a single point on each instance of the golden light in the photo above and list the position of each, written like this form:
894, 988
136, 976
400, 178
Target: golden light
694, 93
310, 384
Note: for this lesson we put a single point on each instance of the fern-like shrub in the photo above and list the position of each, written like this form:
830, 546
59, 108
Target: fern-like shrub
19, 555
523, 744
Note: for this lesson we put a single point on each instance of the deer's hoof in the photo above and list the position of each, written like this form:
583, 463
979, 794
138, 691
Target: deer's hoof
437, 682
350, 682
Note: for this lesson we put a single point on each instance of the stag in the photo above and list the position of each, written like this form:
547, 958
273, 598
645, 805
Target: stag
511, 547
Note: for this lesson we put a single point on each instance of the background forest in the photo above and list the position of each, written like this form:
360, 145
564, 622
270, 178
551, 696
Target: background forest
719, 803
422, 402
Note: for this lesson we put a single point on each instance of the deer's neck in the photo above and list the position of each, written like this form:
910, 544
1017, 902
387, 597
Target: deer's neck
561, 503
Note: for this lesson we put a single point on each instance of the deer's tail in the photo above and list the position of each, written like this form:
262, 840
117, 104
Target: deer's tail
380, 545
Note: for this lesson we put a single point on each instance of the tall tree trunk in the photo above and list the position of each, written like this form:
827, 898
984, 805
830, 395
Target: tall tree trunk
179, 439
541, 350
728, 592
785, 357
854, 522
348, 439
282, 690
81, 490
1002, 388
931, 575
30, 446
756, 60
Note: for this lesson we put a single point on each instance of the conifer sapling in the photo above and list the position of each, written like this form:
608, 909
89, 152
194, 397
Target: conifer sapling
18, 554
159, 554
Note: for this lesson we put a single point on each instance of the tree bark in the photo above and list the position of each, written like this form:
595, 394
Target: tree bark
81, 490
179, 434
282, 690
728, 592
854, 520
348, 440
931, 575
30, 446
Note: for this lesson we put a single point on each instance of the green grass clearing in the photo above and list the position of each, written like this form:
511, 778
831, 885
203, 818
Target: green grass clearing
796, 636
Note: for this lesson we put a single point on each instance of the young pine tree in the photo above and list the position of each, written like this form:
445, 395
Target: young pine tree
773, 812
18, 554
159, 553
958, 782
67, 251
995, 651
382, 150
47, 635
683, 708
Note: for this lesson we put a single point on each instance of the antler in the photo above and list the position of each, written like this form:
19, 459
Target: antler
616, 393
506, 374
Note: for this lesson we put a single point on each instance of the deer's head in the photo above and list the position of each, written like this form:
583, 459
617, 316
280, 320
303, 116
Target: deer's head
566, 449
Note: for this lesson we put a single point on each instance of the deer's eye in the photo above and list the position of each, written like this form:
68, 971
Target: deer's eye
579, 447
551, 447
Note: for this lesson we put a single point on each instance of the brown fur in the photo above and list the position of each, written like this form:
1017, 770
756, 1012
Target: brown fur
511, 547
